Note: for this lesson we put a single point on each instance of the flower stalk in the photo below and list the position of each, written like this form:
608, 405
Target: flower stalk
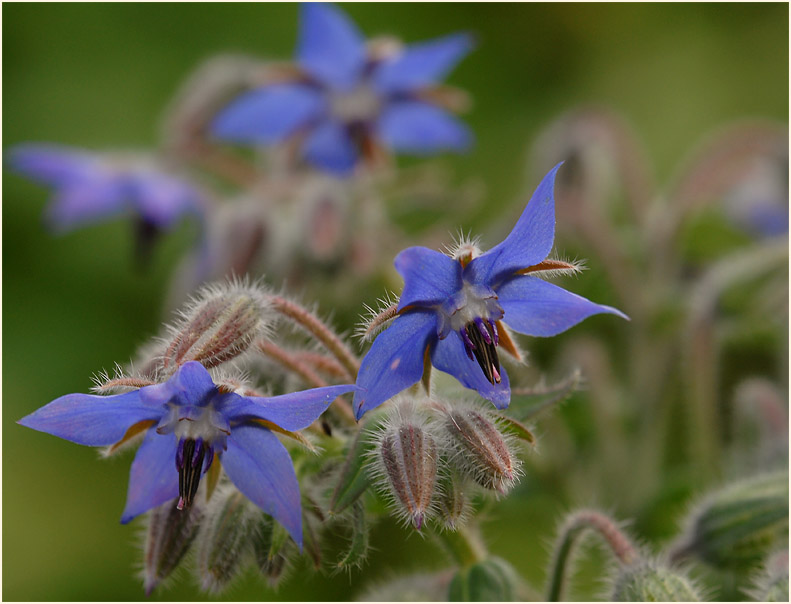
576, 525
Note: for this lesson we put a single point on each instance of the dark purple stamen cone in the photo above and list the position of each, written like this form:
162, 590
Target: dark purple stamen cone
409, 457
480, 341
189, 461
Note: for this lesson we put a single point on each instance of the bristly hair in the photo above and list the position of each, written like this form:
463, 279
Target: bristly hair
572, 268
122, 381
463, 244
376, 319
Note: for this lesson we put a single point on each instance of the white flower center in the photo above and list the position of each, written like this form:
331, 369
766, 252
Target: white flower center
361, 104
204, 425
471, 305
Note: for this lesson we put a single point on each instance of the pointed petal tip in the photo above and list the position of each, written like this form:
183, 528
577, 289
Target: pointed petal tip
127, 518
615, 311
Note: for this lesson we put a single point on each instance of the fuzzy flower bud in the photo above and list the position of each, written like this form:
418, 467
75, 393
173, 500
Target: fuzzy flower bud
219, 325
223, 538
481, 451
406, 458
735, 527
168, 537
650, 581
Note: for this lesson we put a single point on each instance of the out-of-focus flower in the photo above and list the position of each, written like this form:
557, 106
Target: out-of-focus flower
92, 187
758, 203
452, 308
350, 96
191, 421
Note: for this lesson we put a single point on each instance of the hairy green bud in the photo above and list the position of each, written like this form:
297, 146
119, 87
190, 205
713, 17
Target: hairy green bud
650, 581
735, 528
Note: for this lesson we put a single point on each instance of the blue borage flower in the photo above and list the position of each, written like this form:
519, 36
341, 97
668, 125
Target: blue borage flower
91, 187
190, 421
450, 311
347, 98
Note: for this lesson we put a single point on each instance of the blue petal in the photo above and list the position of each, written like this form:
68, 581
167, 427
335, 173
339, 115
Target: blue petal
527, 244
261, 469
449, 356
51, 164
421, 64
330, 46
84, 202
417, 127
190, 385
153, 479
331, 148
395, 360
537, 308
293, 411
92, 420
268, 115
430, 277
162, 199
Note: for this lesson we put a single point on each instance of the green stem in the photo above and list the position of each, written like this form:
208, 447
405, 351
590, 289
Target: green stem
578, 523
463, 545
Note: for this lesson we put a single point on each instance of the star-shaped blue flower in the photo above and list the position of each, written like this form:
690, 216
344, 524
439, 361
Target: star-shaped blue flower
90, 188
450, 311
348, 98
187, 422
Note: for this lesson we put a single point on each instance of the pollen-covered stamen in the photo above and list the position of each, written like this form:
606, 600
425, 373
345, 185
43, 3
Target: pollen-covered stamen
480, 341
189, 462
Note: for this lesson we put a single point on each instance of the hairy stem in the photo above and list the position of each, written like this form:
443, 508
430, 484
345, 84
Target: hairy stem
316, 327
575, 525
464, 545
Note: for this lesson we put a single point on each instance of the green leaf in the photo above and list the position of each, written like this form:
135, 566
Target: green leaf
526, 403
517, 428
354, 479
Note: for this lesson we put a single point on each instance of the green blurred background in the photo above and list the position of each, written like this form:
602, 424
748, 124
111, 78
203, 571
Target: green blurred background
99, 76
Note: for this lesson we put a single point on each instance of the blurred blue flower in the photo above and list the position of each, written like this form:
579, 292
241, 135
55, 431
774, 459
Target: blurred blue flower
189, 420
758, 202
92, 187
450, 309
348, 98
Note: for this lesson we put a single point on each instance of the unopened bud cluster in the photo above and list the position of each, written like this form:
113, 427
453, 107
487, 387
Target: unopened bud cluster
227, 534
427, 460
